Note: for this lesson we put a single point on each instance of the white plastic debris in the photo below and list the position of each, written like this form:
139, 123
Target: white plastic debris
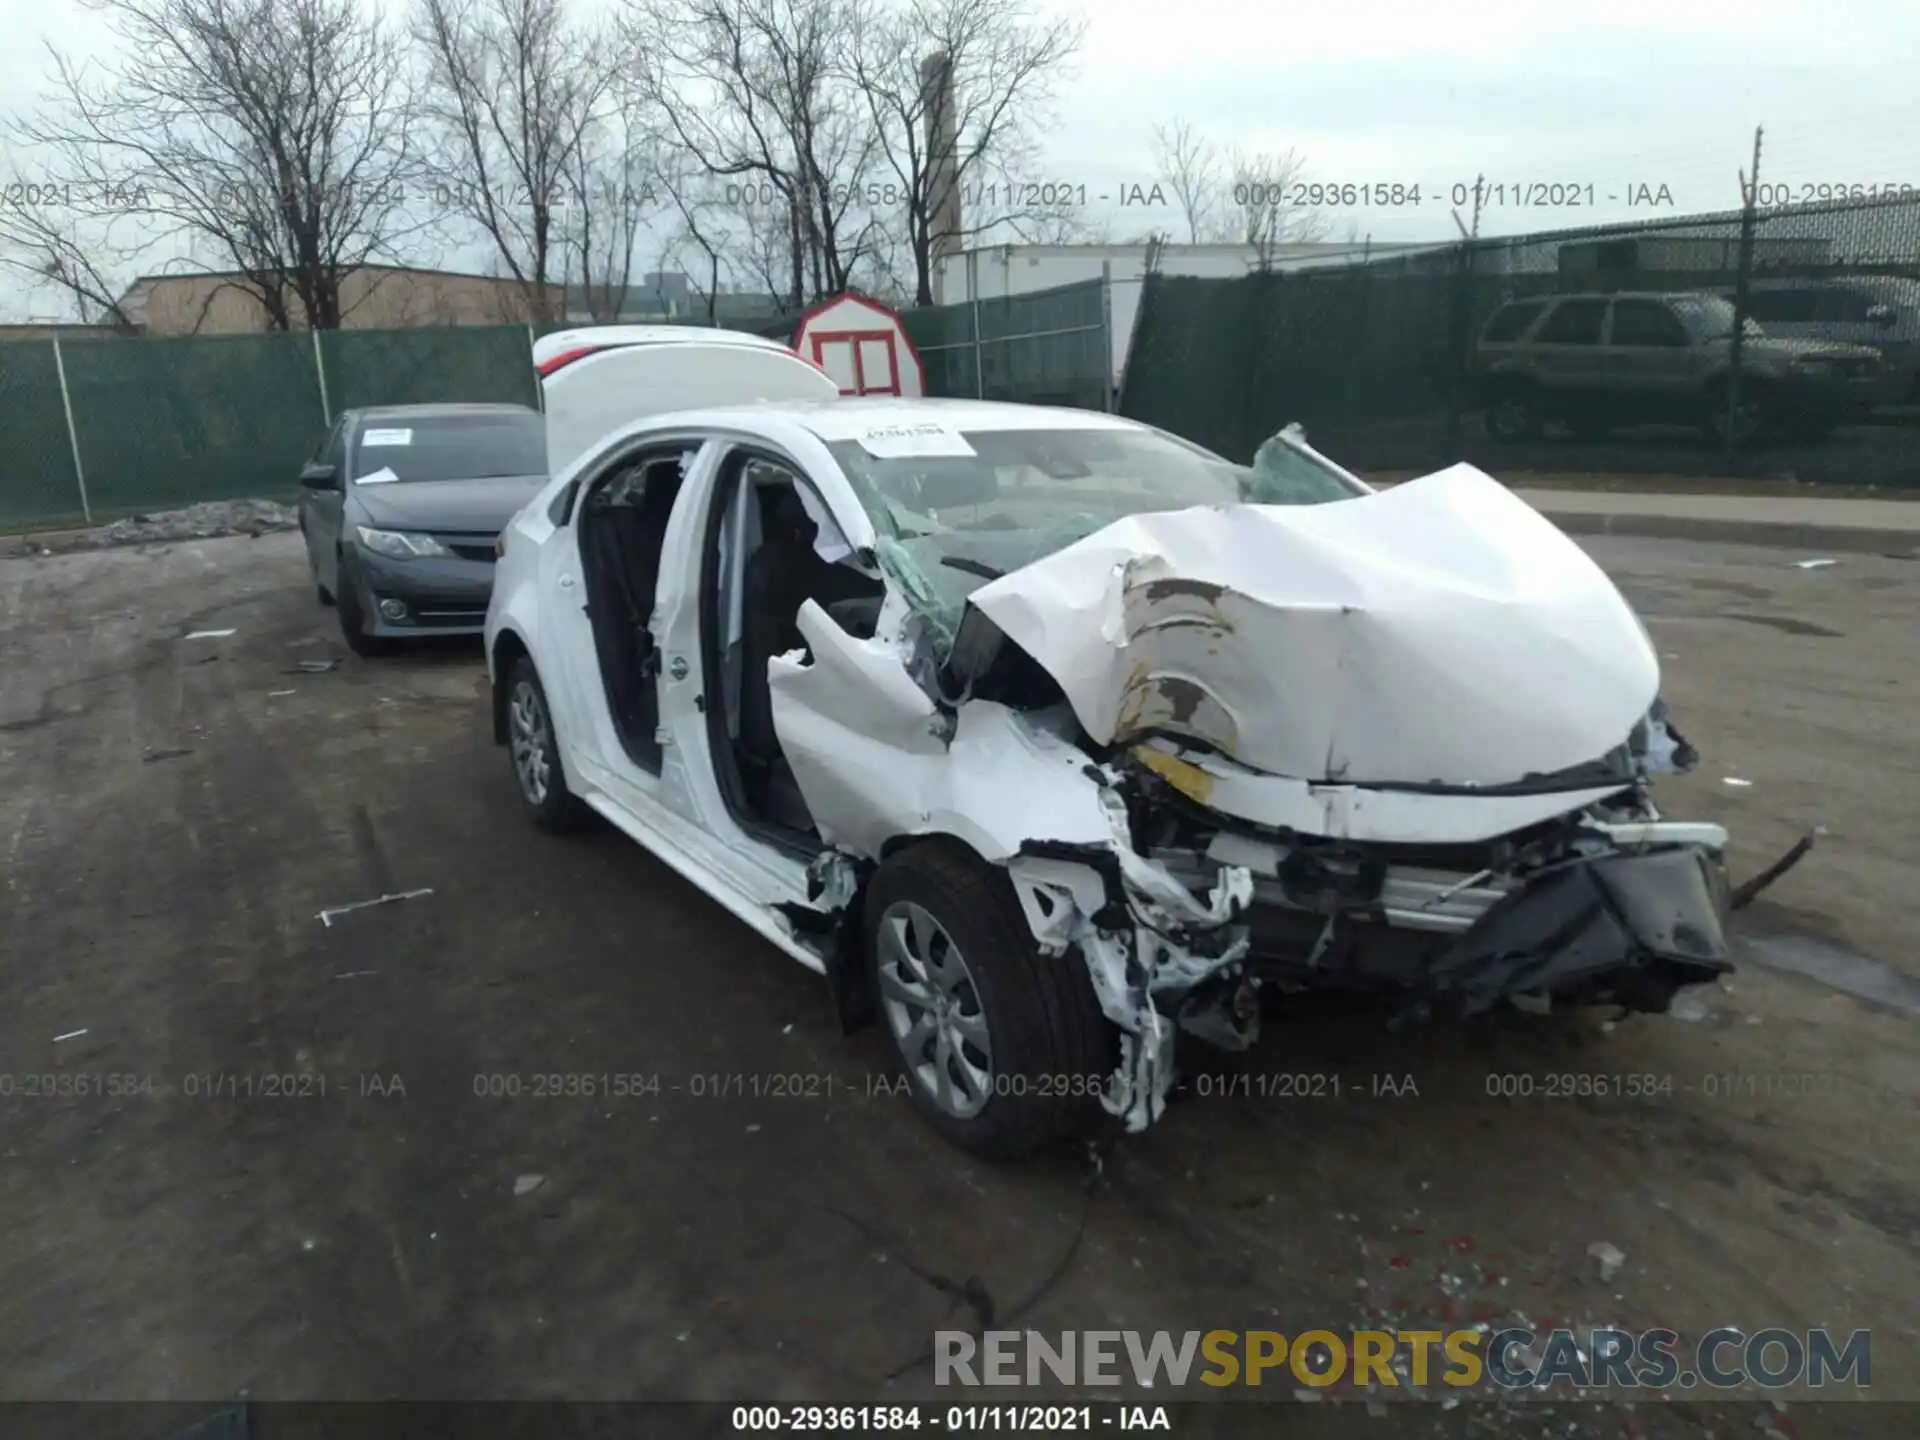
1688, 1007
1813, 564
1737, 782
527, 1184
1611, 1258
276, 694
70, 1035
325, 917
210, 634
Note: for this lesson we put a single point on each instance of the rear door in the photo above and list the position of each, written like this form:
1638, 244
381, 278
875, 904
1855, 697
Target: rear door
1568, 356
1650, 354
576, 625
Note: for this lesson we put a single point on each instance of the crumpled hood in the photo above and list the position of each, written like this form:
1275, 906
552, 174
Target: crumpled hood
1442, 632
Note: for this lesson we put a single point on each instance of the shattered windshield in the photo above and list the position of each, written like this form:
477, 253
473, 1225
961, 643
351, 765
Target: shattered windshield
953, 510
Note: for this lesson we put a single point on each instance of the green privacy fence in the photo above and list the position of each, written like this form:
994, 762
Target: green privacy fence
1049, 347
151, 422
147, 423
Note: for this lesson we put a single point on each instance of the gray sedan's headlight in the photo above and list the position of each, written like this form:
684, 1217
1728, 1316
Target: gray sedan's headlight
398, 544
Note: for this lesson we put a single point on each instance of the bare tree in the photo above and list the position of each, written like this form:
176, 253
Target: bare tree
753, 92
704, 234
271, 133
1191, 168
81, 262
614, 193
515, 90
1265, 211
958, 92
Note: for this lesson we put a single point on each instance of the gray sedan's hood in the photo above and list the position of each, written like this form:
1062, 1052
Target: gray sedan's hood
479, 507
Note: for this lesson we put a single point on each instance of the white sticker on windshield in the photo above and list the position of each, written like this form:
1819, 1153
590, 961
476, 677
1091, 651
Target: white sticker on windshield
387, 437
382, 476
898, 442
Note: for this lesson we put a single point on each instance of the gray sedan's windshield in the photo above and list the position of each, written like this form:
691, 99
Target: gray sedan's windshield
451, 447
999, 499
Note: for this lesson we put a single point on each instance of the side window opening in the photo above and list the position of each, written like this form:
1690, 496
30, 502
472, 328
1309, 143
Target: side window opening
622, 531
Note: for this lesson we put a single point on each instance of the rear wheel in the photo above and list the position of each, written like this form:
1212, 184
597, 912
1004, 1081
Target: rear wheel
1005, 1049
1739, 422
536, 753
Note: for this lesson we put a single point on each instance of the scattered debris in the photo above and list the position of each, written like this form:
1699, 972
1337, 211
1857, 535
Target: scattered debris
1611, 1258
209, 635
276, 694
753, 1129
312, 667
1737, 782
325, 917
527, 1184
70, 1035
1689, 1007
204, 521
355, 974
171, 754
1813, 564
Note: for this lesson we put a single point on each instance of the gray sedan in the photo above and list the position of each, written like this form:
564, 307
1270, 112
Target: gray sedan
400, 508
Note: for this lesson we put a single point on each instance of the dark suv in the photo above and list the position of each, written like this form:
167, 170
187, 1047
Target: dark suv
1594, 362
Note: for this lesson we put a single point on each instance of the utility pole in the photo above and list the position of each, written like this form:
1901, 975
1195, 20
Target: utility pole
1750, 197
1460, 321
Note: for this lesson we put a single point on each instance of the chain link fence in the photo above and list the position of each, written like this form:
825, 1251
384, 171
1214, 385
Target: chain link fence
1755, 344
94, 429
1048, 347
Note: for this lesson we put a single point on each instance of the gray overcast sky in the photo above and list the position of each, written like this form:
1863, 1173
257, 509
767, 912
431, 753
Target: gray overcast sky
1635, 92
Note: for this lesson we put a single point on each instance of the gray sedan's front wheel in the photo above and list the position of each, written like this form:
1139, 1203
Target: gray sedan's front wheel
536, 754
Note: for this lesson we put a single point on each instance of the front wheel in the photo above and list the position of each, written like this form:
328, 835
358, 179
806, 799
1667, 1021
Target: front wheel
1514, 413
536, 753
353, 621
1005, 1049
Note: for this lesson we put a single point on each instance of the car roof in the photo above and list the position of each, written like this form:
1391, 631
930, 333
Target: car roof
848, 418
1628, 295
447, 410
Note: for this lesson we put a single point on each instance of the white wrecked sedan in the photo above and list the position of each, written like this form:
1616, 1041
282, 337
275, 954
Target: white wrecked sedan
1046, 736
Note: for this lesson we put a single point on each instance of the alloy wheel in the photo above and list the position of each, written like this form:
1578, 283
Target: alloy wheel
933, 1008
528, 737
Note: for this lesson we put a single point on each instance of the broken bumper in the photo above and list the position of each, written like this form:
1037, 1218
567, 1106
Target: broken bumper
1630, 928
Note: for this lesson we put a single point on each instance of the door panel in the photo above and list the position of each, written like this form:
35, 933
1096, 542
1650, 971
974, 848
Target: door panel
1650, 356
329, 507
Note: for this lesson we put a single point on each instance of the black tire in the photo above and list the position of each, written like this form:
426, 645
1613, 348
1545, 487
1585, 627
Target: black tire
353, 624
551, 806
1513, 413
1052, 1050
1749, 422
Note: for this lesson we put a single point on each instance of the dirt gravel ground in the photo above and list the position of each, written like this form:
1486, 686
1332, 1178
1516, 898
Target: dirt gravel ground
176, 813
